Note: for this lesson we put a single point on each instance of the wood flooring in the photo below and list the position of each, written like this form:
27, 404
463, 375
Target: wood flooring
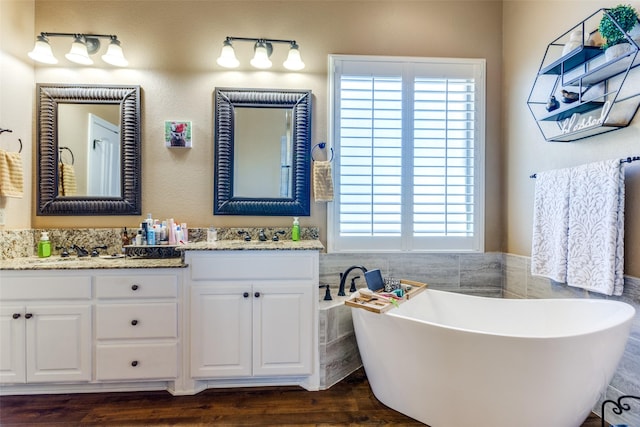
348, 403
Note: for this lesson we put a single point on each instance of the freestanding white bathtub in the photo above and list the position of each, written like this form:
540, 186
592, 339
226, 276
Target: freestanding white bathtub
453, 360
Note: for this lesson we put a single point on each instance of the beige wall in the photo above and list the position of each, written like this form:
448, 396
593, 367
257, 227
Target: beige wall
172, 47
17, 100
528, 27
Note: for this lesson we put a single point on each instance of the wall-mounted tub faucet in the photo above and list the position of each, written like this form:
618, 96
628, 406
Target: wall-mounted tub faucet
343, 278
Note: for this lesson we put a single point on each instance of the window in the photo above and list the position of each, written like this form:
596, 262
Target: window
408, 136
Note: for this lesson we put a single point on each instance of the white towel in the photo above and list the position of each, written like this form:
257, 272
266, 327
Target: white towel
11, 180
322, 181
550, 224
595, 260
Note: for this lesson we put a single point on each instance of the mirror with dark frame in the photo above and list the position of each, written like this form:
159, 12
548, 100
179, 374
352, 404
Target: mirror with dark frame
262, 152
87, 133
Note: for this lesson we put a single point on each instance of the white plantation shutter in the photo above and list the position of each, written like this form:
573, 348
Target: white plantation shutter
409, 139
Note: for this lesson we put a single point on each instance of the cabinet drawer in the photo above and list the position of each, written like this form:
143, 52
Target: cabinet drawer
136, 361
52, 287
147, 286
123, 321
265, 265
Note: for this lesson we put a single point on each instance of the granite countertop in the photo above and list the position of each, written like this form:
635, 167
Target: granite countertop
75, 263
106, 262
253, 245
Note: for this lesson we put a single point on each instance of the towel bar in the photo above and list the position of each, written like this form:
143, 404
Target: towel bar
627, 160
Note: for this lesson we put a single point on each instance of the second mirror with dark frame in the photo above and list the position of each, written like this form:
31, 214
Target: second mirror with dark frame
262, 152
105, 120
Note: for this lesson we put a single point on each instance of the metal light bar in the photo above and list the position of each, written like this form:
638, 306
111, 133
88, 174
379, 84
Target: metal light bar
263, 48
83, 45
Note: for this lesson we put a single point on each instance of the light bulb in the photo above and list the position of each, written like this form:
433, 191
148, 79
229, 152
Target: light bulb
227, 57
78, 52
114, 55
42, 51
261, 56
294, 61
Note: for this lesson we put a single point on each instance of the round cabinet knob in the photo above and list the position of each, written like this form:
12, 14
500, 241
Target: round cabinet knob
134, 363
257, 295
134, 322
28, 316
16, 315
135, 287
246, 295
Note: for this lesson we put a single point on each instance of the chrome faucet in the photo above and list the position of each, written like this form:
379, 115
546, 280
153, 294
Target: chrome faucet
343, 277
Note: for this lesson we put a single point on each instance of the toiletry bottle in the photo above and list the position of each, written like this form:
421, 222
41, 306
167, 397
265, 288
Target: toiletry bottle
295, 230
151, 236
44, 245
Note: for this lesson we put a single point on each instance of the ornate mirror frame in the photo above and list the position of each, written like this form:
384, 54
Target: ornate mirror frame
224, 202
128, 98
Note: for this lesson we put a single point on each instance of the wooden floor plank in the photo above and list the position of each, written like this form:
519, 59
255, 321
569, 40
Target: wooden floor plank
348, 403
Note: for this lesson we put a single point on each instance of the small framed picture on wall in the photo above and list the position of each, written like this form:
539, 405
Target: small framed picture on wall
177, 134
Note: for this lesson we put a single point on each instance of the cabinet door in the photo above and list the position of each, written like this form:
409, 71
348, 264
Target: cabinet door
221, 331
12, 345
58, 343
282, 325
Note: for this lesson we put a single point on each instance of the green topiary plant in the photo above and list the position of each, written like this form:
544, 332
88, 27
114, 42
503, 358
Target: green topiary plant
625, 16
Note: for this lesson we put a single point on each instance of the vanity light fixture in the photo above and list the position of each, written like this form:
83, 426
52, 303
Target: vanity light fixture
82, 46
262, 51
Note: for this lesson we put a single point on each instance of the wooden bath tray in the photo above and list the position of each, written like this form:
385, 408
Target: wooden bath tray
379, 306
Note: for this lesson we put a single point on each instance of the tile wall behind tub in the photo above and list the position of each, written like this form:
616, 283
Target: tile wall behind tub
475, 274
519, 283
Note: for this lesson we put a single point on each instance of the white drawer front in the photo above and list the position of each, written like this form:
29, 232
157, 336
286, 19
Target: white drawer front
123, 321
136, 361
147, 286
264, 265
52, 287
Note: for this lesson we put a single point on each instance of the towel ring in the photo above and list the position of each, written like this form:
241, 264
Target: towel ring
73, 160
10, 131
321, 145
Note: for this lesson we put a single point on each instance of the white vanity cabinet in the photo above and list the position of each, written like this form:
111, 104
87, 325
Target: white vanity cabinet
253, 316
45, 328
136, 326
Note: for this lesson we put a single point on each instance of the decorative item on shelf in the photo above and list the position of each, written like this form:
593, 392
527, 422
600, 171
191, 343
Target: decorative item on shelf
614, 24
262, 51
569, 97
82, 46
575, 41
552, 104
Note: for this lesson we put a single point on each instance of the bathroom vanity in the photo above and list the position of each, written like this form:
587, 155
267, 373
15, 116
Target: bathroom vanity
226, 315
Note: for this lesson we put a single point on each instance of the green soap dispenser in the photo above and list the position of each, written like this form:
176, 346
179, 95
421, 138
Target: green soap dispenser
44, 246
295, 230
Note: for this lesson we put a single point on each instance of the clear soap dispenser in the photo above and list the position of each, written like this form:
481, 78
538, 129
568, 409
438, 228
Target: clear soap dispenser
295, 230
44, 246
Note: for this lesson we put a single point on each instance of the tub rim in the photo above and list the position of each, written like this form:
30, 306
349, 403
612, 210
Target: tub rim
625, 317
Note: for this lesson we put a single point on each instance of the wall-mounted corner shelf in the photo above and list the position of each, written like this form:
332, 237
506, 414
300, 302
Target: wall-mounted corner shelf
610, 85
